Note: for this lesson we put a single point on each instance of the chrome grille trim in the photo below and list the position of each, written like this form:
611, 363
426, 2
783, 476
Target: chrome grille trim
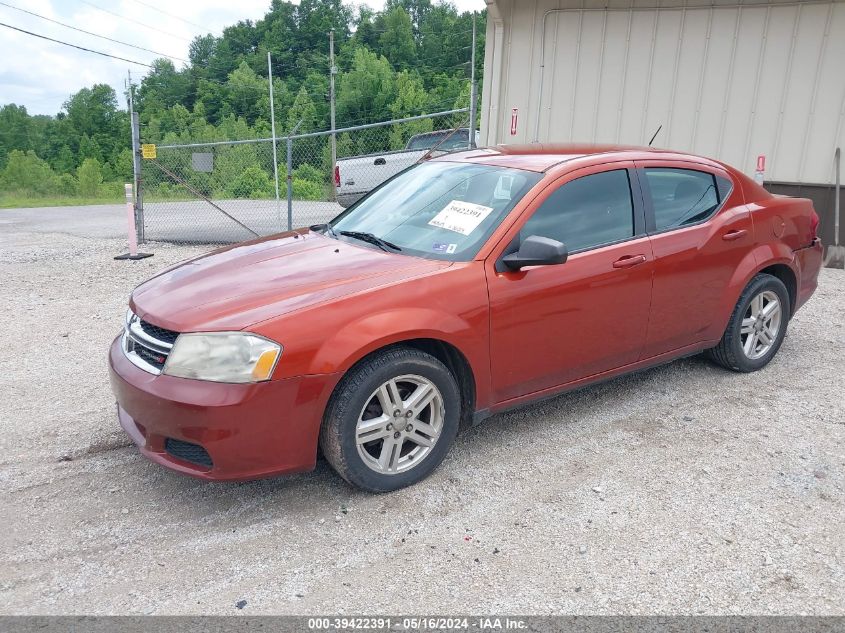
134, 330
134, 336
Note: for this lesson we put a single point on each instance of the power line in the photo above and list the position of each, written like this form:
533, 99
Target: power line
103, 37
163, 12
123, 17
82, 48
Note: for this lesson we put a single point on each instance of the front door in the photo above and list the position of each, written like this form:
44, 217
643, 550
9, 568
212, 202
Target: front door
554, 324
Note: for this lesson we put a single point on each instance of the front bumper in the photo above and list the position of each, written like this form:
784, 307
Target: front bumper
249, 431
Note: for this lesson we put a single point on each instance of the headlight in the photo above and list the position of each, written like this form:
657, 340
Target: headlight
223, 357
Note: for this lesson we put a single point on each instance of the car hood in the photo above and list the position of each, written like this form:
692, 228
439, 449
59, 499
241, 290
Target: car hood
241, 285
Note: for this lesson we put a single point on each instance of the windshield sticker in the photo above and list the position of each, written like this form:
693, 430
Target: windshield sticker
441, 247
461, 217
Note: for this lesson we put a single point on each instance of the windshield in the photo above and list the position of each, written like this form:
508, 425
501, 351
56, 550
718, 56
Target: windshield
439, 210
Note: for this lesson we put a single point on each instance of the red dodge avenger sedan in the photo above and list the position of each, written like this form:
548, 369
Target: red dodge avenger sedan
464, 286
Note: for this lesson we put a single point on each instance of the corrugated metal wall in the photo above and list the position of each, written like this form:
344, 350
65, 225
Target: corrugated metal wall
726, 81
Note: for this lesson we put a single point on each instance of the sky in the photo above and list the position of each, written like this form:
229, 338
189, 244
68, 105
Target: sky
41, 75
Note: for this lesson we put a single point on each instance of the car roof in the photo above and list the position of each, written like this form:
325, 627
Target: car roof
541, 157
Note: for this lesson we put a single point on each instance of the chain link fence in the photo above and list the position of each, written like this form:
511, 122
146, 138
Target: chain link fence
230, 191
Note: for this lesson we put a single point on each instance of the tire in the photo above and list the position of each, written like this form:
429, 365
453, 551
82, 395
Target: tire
360, 434
732, 352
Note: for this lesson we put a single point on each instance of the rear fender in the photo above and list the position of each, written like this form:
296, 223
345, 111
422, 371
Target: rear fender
762, 256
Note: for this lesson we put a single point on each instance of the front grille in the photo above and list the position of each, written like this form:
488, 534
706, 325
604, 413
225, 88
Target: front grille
154, 358
193, 453
163, 335
146, 345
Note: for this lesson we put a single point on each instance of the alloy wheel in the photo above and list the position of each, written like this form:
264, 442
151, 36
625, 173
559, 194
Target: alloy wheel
399, 424
761, 325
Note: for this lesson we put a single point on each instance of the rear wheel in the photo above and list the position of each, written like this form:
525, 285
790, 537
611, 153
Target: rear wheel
757, 326
391, 420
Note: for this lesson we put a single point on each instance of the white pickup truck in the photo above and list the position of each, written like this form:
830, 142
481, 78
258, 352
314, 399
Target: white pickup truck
356, 176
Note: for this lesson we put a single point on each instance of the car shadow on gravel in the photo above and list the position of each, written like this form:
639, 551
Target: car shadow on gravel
323, 494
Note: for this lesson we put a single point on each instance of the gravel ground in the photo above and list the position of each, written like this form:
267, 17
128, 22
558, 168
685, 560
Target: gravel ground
680, 490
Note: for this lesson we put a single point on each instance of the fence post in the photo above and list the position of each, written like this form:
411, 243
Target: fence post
290, 182
136, 172
472, 91
273, 132
290, 173
332, 73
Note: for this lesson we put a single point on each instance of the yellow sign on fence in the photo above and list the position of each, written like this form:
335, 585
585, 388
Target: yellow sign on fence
148, 150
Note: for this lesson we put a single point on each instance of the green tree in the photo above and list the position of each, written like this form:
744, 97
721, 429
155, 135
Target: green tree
165, 86
90, 177
123, 165
302, 110
15, 130
397, 41
366, 91
253, 182
26, 173
89, 148
93, 111
201, 50
411, 99
245, 93
64, 161
417, 10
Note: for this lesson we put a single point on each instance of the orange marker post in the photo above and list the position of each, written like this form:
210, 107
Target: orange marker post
132, 233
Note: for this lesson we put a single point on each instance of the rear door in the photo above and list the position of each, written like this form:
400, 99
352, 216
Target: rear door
700, 231
554, 324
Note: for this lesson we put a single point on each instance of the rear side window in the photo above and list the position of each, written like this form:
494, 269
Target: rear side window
681, 197
586, 212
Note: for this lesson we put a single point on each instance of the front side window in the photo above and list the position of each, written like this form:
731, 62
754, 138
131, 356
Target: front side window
586, 212
681, 197
438, 209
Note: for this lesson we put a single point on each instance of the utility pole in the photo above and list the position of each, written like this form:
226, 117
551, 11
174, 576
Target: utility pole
472, 91
273, 133
135, 127
332, 73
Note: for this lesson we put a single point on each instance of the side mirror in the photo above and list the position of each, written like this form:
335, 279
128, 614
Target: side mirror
536, 251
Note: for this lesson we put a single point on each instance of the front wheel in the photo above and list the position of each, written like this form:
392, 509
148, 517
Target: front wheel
757, 326
391, 420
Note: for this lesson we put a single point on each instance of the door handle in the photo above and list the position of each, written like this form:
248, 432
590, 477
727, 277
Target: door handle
730, 236
379, 161
629, 260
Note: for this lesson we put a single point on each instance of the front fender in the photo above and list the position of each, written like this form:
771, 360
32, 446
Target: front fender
450, 306
340, 351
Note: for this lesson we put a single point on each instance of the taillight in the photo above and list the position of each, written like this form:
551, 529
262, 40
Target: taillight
814, 225
337, 175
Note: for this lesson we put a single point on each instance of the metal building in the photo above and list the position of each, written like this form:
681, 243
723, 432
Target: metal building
729, 79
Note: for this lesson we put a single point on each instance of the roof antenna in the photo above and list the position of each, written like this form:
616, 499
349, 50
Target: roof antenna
660, 127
